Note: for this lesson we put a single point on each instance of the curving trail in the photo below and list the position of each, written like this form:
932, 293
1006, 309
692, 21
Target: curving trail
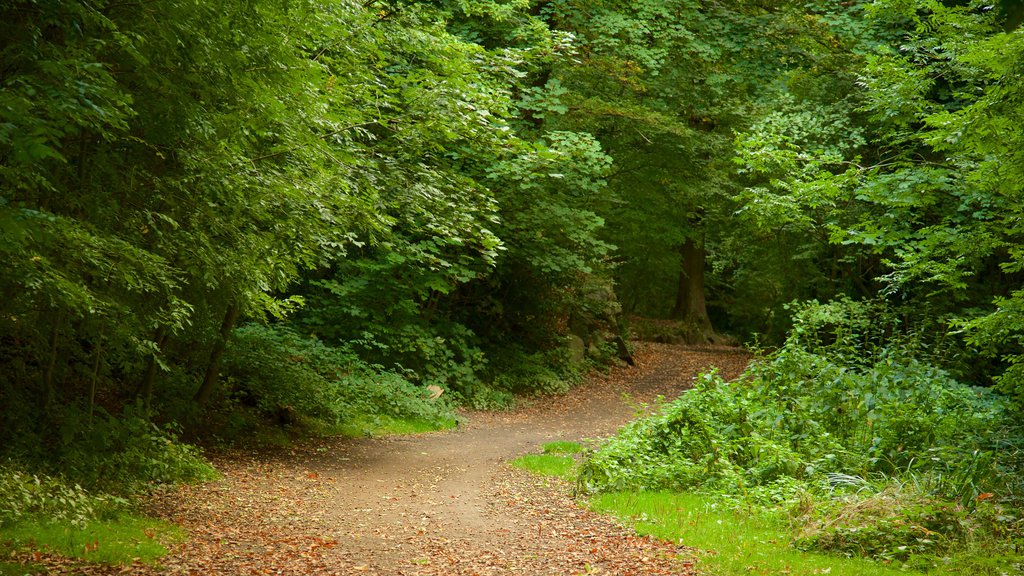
438, 503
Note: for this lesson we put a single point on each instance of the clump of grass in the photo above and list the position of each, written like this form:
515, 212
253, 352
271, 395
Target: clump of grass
120, 540
370, 425
562, 447
738, 543
547, 465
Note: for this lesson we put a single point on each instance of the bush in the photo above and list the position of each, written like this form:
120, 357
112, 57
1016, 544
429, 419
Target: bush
42, 498
119, 454
843, 400
716, 436
125, 454
800, 415
273, 369
520, 372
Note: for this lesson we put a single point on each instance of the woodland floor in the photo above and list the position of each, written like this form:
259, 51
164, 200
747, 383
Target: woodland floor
431, 504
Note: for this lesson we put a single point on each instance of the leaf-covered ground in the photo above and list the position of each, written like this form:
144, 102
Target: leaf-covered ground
431, 504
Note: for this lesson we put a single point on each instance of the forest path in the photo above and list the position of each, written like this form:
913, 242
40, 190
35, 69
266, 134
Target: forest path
437, 503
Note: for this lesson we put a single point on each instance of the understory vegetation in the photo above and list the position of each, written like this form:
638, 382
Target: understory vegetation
847, 440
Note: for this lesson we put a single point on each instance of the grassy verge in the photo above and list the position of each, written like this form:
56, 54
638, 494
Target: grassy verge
121, 540
737, 543
381, 425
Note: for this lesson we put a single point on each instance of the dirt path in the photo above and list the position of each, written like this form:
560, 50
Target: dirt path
440, 503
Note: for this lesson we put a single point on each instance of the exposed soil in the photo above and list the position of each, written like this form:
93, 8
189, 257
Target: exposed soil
438, 503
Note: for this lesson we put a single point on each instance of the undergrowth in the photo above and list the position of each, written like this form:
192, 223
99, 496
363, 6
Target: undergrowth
288, 379
872, 449
45, 514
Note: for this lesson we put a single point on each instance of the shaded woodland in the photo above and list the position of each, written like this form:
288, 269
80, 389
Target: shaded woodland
274, 218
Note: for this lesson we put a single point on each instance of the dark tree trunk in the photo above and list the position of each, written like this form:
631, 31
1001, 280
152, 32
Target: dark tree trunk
145, 389
690, 305
213, 366
51, 364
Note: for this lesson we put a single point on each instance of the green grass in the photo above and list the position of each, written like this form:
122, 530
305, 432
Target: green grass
372, 425
740, 543
117, 541
9, 569
562, 447
547, 465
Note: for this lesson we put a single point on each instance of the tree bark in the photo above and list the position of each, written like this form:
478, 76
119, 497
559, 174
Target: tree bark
205, 390
691, 306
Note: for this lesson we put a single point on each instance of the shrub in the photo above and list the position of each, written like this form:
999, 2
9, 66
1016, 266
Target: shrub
39, 497
843, 400
274, 369
125, 454
520, 372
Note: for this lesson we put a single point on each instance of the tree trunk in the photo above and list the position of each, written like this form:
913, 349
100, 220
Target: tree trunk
50, 390
213, 366
145, 389
98, 353
690, 305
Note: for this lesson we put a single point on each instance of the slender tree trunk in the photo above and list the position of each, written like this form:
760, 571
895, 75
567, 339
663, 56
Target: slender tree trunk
51, 365
98, 354
145, 389
202, 395
690, 306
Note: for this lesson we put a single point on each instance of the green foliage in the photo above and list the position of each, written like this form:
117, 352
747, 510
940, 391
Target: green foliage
663, 86
127, 453
169, 171
842, 396
12, 569
901, 170
119, 454
439, 194
520, 372
844, 399
273, 369
902, 522
395, 332
25, 498
371, 425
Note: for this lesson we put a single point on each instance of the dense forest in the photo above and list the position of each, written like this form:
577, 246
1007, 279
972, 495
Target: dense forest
222, 222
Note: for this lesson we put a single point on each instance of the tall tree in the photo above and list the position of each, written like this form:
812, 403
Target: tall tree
663, 84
